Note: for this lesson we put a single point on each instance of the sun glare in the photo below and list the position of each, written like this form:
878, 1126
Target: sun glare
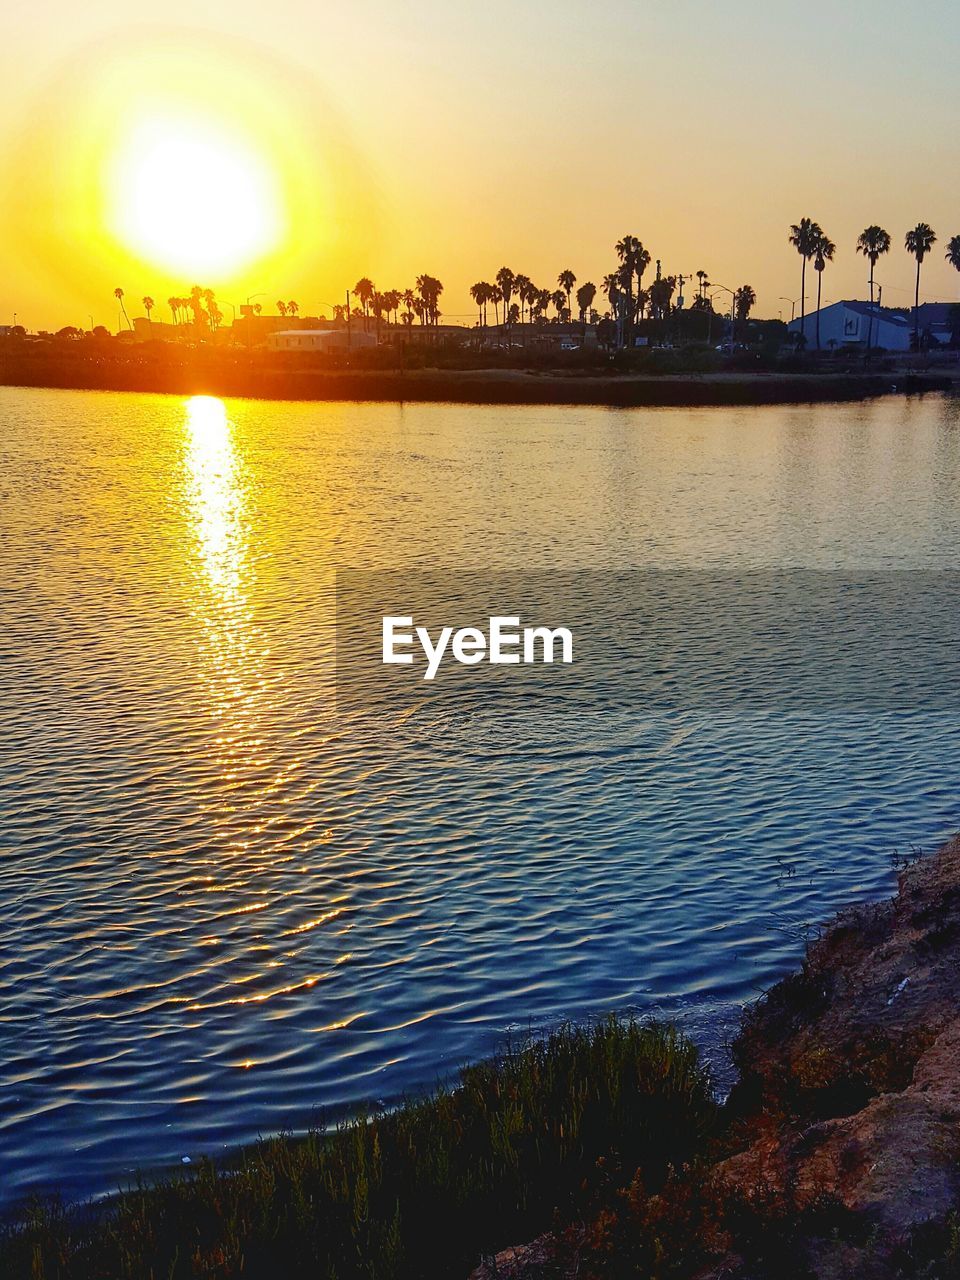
187, 196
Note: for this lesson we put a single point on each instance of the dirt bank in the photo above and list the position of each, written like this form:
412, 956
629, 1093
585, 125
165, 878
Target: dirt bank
840, 1154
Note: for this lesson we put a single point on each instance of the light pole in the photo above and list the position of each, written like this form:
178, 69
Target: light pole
733, 308
793, 306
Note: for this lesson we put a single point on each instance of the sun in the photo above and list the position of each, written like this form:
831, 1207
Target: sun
191, 196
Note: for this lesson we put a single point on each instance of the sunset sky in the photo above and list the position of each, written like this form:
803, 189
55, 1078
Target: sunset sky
285, 149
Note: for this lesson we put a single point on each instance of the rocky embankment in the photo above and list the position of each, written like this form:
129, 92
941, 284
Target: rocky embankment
843, 1131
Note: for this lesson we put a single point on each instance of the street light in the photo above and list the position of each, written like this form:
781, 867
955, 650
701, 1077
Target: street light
793, 306
733, 308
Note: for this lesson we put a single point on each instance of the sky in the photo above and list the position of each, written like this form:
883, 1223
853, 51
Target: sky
385, 139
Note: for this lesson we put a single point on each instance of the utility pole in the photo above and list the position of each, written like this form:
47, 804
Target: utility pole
349, 324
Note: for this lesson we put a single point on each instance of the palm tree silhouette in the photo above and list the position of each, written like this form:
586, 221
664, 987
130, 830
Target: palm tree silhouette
282, 307
293, 308
872, 242
496, 297
566, 280
804, 236
480, 293
363, 289
585, 296
953, 252
561, 303
521, 285
824, 253
634, 260
505, 283
919, 242
148, 305
743, 302
118, 294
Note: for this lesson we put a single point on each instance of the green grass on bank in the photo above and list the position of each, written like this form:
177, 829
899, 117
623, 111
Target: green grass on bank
523, 1141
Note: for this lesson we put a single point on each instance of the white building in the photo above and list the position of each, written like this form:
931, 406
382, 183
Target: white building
847, 324
320, 339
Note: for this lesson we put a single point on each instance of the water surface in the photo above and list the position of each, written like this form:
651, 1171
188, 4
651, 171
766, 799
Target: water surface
223, 909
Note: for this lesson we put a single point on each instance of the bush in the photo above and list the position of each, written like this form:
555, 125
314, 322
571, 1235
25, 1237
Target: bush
418, 1192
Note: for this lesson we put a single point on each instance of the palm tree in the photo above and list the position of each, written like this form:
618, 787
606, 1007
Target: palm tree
496, 297
118, 294
505, 283
282, 307
824, 254
479, 292
634, 260
953, 252
585, 296
561, 303
743, 302
174, 305
872, 242
919, 242
566, 280
293, 308
148, 305
522, 287
611, 287
804, 236
429, 288
257, 308
363, 289
195, 302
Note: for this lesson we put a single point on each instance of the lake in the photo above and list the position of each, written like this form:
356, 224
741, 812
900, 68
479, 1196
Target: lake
226, 909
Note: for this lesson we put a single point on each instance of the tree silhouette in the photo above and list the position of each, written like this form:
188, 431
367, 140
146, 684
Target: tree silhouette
919, 242
148, 305
496, 297
804, 236
744, 301
872, 242
480, 293
118, 294
429, 290
364, 290
566, 280
585, 296
634, 260
953, 252
825, 250
506, 283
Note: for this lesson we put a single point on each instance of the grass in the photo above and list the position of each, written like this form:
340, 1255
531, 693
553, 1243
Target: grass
531, 1139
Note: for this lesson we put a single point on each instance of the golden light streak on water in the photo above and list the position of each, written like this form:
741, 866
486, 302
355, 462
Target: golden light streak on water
217, 496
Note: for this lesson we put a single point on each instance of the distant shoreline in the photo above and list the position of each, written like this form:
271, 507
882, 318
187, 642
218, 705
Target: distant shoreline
465, 386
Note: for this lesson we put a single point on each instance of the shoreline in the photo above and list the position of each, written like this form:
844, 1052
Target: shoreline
839, 1143
470, 386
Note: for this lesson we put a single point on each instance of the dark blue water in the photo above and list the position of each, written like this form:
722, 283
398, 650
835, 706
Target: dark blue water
223, 908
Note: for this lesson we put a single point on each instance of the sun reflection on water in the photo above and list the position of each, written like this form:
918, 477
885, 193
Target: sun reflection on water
217, 496
230, 671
